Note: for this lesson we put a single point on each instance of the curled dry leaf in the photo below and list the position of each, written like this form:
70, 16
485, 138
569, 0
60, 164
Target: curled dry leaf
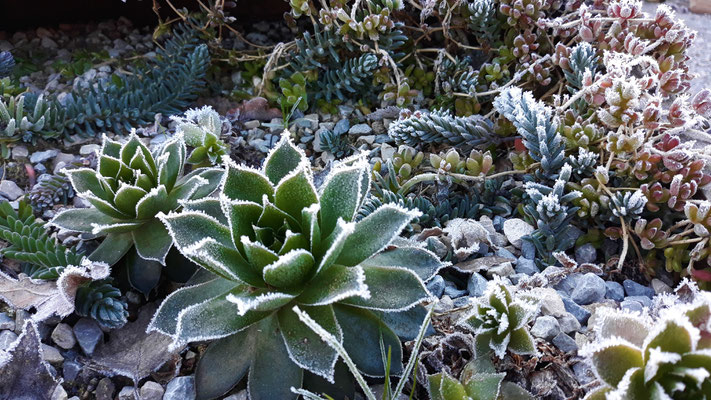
50, 298
466, 236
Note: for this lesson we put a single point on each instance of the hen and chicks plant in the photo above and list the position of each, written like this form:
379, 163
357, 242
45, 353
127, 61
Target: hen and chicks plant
273, 241
129, 188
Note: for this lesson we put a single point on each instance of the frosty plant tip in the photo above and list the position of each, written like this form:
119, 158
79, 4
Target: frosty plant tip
273, 241
129, 187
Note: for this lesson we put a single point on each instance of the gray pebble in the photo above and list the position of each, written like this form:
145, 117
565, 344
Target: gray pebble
180, 388
360, 129
590, 289
633, 288
6, 323
614, 291
568, 323
6, 338
578, 312
342, 127
70, 370
526, 266
127, 393
568, 283
545, 327
451, 290
502, 252
105, 389
151, 391
10, 190
88, 334
631, 305
436, 286
476, 285
643, 300
565, 343
503, 270
515, 229
660, 287
42, 156
583, 372
19, 152
51, 355
63, 336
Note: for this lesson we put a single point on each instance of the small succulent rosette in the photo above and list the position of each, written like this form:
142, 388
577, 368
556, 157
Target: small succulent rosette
500, 321
202, 128
272, 241
129, 187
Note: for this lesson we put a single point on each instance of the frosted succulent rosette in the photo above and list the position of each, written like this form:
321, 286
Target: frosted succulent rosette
273, 241
129, 187
202, 128
636, 357
500, 321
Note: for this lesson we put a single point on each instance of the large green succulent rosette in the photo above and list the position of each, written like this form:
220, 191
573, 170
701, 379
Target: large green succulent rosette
129, 187
273, 241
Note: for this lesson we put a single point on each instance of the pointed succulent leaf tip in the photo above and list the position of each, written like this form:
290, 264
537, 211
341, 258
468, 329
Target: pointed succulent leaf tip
340, 195
391, 289
152, 203
187, 228
166, 317
212, 319
289, 270
334, 285
152, 241
243, 183
283, 159
82, 219
171, 166
296, 192
258, 300
334, 244
374, 232
85, 180
223, 261
422, 262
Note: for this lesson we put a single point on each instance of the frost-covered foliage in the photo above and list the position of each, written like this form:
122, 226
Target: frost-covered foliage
202, 128
273, 241
129, 187
642, 357
551, 210
30, 242
440, 127
535, 123
7, 63
500, 321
